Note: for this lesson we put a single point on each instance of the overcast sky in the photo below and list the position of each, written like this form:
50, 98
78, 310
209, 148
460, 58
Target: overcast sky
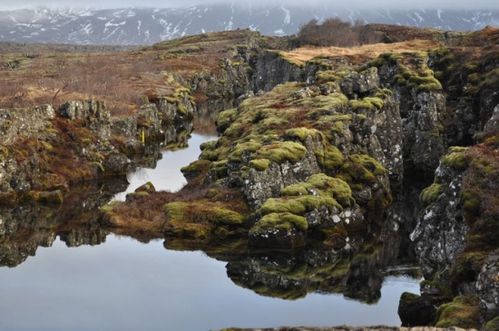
379, 4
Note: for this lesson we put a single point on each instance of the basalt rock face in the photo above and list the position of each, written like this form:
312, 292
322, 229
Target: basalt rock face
421, 111
42, 146
259, 186
441, 223
252, 69
269, 69
423, 140
456, 235
487, 287
319, 159
18, 123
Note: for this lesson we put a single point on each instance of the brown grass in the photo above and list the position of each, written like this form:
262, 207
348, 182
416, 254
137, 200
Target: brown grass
358, 53
120, 78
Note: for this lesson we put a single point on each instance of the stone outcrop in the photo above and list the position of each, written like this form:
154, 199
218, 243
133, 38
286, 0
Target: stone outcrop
441, 230
422, 129
487, 287
350, 328
25, 122
269, 69
41, 146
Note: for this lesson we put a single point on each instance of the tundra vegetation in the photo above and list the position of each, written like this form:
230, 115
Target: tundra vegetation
313, 157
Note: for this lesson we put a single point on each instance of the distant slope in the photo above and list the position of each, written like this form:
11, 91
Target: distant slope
139, 26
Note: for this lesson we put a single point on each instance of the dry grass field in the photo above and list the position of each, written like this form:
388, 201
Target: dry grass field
37, 75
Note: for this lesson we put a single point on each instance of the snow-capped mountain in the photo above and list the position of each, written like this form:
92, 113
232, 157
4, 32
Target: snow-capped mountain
140, 26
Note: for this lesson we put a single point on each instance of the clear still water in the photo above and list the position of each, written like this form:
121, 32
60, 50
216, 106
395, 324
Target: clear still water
122, 284
167, 176
127, 285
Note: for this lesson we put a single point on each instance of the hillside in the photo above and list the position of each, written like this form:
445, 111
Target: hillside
145, 26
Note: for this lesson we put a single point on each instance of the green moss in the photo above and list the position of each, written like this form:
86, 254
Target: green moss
492, 325
260, 164
202, 211
330, 158
282, 220
301, 133
225, 119
209, 145
327, 76
383, 93
361, 168
324, 186
458, 159
369, 163
137, 195
195, 167
273, 122
422, 80
247, 147
340, 189
4, 152
462, 312
319, 191
323, 102
385, 58
280, 205
147, 187
297, 189
311, 202
431, 193
471, 202
109, 208
281, 152
369, 103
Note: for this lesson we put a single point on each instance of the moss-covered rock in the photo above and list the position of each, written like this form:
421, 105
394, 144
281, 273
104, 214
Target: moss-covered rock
368, 103
457, 158
260, 164
462, 312
280, 152
361, 168
431, 193
492, 325
202, 211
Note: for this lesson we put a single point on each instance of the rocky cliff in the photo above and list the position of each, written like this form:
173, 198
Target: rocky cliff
46, 151
320, 156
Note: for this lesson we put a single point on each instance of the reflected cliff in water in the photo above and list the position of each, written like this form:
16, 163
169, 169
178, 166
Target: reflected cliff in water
364, 278
27, 227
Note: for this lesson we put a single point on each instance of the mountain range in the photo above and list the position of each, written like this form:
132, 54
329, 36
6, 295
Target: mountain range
143, 26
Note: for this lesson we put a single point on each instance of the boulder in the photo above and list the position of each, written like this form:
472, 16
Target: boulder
416, 310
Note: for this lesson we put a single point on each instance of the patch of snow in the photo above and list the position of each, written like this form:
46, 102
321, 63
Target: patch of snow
287, 17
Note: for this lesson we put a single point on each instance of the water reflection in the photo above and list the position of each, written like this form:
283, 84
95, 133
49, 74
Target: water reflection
25, 228
118, 283
112, 282
126, 285
165, 174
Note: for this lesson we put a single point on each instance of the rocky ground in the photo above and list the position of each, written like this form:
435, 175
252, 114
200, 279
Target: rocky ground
317, 154
346, 328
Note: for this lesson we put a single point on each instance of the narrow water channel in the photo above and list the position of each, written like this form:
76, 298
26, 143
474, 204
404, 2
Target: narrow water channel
110, 282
